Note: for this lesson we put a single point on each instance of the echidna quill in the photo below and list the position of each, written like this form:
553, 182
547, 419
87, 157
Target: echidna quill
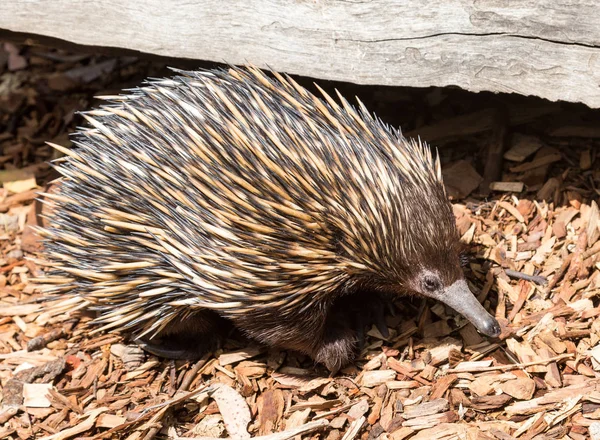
228, 196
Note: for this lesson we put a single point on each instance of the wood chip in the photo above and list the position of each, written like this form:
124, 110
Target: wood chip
431, 420
234, 410
461, 179
522, 147
354, 428
371, 379
425, 409
546, 160
270, 411
535, 248
238, 356
516, 187
358, 410
35, 395
521, 388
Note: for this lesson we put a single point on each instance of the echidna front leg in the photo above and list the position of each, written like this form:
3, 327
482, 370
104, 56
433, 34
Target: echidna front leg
339, 345
363, 309
344, 335
322, 335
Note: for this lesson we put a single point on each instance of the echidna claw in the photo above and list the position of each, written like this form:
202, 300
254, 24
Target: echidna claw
360, 336
379, 319
177, 352
383, 328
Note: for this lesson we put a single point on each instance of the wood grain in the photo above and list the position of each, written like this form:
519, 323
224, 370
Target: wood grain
531, 47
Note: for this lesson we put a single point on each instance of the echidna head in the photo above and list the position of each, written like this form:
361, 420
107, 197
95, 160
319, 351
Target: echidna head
440, 276
437, 273
457, 295
415, 248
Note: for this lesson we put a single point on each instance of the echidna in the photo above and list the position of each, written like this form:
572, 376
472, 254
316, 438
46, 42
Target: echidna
230, 196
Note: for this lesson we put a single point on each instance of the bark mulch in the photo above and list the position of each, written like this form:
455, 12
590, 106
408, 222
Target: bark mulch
524, 175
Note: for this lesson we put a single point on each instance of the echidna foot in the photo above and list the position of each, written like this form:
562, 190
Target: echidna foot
188, 338
338, 348
178, 348
364, 309
373, 314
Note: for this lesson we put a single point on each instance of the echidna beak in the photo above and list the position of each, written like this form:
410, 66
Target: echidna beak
460, 298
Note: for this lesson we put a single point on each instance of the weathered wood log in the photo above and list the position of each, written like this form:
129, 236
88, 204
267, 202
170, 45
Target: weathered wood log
532, 47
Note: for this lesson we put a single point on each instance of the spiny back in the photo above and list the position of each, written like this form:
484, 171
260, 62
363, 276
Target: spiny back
232, 191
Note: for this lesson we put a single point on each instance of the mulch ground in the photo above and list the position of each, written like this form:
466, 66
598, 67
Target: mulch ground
524, 175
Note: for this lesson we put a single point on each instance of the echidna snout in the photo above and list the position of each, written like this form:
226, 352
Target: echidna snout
228, 196
458, 296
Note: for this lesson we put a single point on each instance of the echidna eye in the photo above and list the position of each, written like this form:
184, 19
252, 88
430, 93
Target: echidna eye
431, 283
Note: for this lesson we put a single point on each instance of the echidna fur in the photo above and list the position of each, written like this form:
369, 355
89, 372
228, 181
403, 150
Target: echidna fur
234, 192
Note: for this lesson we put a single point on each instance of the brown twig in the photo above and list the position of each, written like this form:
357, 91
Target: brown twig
523, 276
511, 366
